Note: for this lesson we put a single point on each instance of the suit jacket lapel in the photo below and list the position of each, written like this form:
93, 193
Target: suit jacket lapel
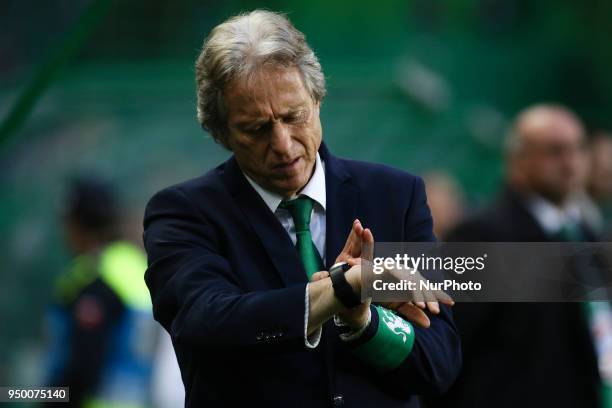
342, 204
266, 226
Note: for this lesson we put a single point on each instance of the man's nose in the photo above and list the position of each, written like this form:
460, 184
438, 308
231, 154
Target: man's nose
280, 139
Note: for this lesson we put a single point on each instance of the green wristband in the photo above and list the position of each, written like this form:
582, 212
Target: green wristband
391, 343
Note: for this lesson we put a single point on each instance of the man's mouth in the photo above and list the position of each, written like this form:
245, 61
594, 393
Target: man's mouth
287, 166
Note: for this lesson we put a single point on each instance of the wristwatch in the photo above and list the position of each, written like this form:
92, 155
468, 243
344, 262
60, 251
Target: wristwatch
342, 289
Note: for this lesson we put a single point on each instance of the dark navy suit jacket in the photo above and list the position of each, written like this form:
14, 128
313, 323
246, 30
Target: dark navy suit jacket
228, 285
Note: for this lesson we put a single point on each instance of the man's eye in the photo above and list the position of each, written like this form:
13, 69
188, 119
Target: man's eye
256, 129
297, 117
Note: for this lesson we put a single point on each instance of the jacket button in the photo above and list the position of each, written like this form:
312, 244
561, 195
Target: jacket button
338, 400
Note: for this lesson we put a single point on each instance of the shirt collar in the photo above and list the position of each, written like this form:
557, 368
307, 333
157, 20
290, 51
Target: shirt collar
550, 217
315, 188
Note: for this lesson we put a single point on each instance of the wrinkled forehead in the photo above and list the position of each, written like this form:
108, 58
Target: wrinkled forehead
269, 90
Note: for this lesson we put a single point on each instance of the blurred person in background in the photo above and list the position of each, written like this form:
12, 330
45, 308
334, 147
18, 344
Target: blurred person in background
596, 200
102, 332
167, 389
531, 354
446, 201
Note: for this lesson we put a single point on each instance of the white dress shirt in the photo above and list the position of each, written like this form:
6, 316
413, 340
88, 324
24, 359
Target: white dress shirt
551, 218
315, 189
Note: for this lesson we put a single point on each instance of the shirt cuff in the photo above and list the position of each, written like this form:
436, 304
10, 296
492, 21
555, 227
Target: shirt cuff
352, 334
313, 340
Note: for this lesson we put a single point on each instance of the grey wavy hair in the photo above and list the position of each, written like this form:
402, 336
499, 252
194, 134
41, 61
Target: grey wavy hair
238, 48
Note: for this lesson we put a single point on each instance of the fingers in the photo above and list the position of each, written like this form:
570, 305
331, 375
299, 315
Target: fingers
367, 244
444, 298
423, 298
418, 298
319, 275
357, 227
352, 246
415, 312
359, 244
356, 233
414, 315
431, 301
433, 307
367, 236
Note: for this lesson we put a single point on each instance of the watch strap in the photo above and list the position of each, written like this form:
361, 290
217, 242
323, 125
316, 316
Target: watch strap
342, 289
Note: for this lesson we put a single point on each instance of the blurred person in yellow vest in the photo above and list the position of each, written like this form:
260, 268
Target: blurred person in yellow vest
102, 334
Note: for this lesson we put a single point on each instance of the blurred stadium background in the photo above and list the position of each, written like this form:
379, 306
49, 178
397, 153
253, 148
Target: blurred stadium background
420, 85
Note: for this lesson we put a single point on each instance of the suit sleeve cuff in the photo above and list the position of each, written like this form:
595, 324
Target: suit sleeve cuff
313, 340
387, 341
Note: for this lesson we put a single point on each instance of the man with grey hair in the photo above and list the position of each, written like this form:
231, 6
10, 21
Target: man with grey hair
251, 270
